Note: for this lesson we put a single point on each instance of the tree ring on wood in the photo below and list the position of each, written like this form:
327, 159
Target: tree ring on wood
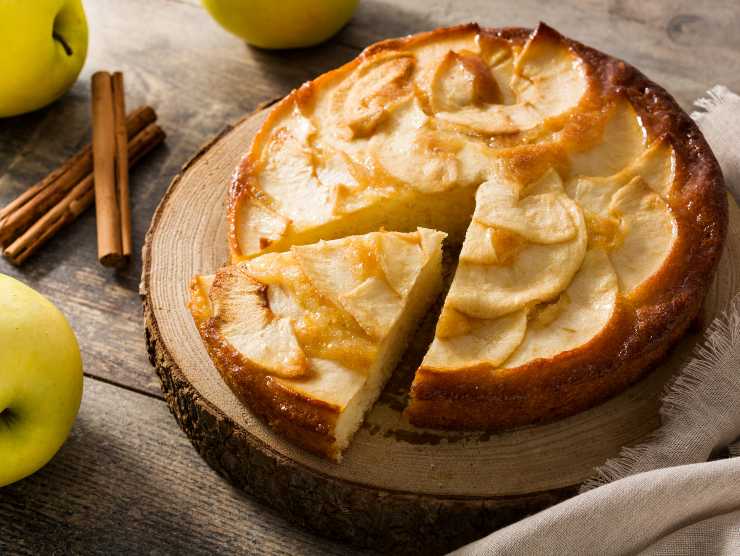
398, 489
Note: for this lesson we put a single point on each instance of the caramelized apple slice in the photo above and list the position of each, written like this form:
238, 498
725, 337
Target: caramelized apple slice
536, 272
483, 342
540, 218
656, 167
465, 92
546, 80
400, 259
288, 175
336, 268
495, 119
351, 273
378, 85
548, 76
583, 311
412, 152
256, 227
374, 305
648, 229
242, 318
630, 217
621, 142
463, 79
484, 245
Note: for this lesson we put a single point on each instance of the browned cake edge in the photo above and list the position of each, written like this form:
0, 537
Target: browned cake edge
645, 325
304, 421
642, 331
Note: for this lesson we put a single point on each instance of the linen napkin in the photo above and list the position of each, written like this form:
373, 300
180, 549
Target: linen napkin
664, 496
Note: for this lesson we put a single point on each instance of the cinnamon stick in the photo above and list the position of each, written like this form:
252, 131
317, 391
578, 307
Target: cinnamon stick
45, 196
119, 110
21, 212
43, 229
108, 216
33, 190
77, 200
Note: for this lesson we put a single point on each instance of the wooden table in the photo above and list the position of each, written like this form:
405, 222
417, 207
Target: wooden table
127, 479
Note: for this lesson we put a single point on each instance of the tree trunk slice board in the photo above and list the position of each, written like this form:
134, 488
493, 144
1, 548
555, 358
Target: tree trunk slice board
398, 488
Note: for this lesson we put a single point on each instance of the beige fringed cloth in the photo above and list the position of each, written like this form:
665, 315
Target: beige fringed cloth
664, 496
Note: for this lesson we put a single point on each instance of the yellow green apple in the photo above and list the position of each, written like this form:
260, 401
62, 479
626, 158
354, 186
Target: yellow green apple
40, 380
43, 45
282, 23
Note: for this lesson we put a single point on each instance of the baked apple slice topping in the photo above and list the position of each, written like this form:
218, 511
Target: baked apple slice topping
538, 169
315, 332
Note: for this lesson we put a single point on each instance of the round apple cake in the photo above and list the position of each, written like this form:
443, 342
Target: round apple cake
587, 209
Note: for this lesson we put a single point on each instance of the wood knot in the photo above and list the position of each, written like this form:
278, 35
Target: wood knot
688, 29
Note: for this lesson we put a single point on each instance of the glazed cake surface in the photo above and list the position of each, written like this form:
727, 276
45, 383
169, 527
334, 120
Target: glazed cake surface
587, 208
307, 338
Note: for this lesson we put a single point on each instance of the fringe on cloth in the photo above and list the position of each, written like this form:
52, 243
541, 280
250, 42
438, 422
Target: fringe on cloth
718, 119
735, 450
692, 403
716, 96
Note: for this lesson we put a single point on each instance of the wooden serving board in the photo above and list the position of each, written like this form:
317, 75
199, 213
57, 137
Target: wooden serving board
398, 488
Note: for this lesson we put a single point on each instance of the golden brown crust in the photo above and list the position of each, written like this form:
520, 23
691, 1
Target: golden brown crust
642, 330
647, 324
306, 422
244, 187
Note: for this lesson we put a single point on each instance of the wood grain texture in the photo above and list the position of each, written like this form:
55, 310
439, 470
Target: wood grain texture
427, 485
128, 482
684, 45
199, 78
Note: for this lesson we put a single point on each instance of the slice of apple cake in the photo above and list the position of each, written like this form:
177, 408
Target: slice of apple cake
307, 338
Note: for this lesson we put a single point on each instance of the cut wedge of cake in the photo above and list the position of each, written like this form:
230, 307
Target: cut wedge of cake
307, 338
550, 272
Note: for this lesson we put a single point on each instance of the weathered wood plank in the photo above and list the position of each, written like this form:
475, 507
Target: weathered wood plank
199, 79
686, 45
128, 482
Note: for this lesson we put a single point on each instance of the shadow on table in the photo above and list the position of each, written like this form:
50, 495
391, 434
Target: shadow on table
128, 482
372, 22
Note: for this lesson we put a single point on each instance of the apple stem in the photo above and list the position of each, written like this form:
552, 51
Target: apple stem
7, 417
58, 37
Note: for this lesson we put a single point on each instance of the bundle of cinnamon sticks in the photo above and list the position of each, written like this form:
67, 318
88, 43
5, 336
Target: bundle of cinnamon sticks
97, 173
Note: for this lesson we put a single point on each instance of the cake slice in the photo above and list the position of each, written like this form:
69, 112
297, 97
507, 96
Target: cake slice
307, 338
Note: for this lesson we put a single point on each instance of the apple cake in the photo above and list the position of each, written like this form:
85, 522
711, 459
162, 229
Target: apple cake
307, 338
586, 207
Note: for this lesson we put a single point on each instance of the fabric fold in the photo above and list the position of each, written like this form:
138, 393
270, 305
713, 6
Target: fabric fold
638, 513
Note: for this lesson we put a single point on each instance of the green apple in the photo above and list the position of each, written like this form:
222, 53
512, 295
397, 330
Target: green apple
282, 23
43, 45
40, 380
